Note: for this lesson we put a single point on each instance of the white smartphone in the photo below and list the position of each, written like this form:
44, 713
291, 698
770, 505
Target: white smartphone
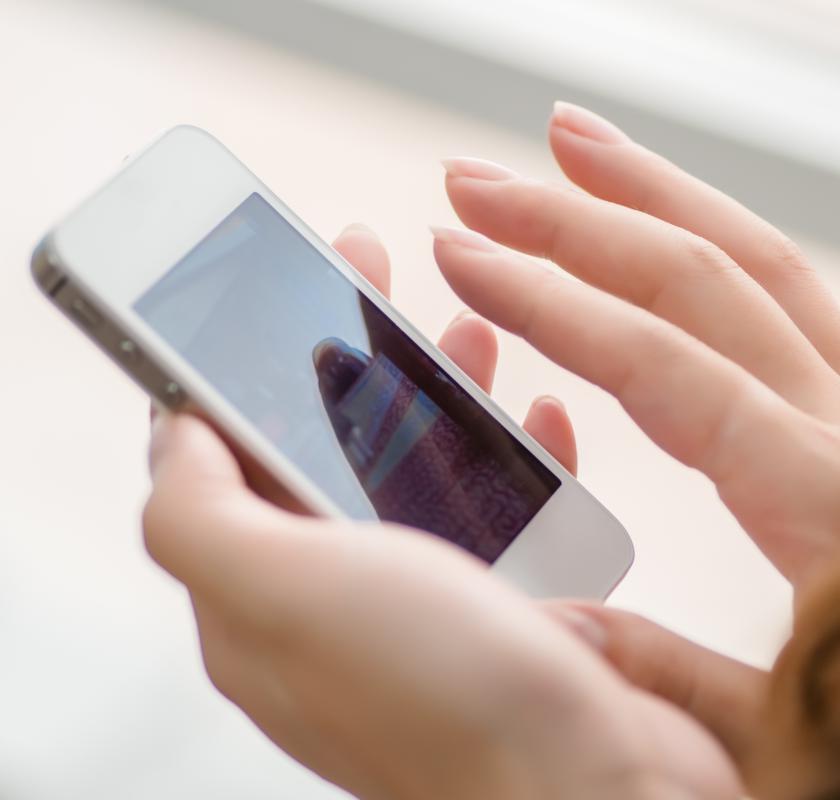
215, 297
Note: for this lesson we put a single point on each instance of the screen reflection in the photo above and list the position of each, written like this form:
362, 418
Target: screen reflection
345, 394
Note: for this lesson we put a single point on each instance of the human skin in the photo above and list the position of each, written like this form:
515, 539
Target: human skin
400, 667
720, 341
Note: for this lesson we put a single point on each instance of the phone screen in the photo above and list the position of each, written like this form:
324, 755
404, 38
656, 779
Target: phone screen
340, 389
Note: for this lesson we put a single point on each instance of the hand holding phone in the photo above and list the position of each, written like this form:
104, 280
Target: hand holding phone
397, 666
391, 645
612, 339
445, 648
217, 299
392, 592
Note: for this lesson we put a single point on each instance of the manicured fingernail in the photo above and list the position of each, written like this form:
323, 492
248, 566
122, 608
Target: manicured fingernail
585, 123
460, 316
466, 313
463, 238
463, 167
550, 400
358, 227
585, 626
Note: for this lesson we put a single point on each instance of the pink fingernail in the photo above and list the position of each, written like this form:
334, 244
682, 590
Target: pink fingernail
585, 123
585, 626
358, 227
460, 316
550, 400
463, 238
464, 313
463, 167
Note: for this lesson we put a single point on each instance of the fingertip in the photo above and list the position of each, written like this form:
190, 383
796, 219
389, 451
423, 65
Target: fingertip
586, 146
519, 214
362, 248
549, 400
460, 266
605, 162
488, 282
359, 228
466, 238
473, 198
586, 124
184, 449
471, 342
479, 168
549, 423
579, 158
457, 256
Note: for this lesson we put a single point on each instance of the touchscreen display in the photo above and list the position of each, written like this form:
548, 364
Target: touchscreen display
339, 389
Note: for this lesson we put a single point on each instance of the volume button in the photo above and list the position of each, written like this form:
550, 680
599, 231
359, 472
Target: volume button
130, 352
173, 396
88, 316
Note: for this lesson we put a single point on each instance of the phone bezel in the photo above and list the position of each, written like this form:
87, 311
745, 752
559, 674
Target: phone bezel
124, 238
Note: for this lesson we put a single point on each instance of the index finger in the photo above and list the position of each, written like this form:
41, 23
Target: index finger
657, 266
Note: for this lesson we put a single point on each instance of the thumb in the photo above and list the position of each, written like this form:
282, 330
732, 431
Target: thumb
200, 514
184, 440
723, 694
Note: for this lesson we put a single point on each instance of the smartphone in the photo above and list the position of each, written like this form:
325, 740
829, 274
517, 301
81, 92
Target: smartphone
216, 298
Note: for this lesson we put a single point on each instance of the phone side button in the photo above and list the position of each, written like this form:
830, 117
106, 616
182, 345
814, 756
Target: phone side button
129, 352
172, 395
86, 314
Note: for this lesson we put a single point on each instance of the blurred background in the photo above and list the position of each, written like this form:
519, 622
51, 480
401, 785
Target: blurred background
345, 109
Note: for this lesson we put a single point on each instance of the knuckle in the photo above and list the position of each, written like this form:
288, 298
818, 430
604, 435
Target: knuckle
555, 209
786, 254
701, 254
543, 304
554, 242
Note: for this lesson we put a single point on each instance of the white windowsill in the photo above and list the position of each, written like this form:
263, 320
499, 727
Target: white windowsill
766, 74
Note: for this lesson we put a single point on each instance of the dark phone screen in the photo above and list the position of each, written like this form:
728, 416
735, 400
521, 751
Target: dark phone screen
340, 390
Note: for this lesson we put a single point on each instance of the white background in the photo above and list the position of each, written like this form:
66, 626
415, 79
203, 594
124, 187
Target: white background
101, 690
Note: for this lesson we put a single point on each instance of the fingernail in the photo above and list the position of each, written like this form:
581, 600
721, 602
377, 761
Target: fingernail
465, 313
585, 123
359, 227
463, 238
463, 167
584, 626
550, 400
